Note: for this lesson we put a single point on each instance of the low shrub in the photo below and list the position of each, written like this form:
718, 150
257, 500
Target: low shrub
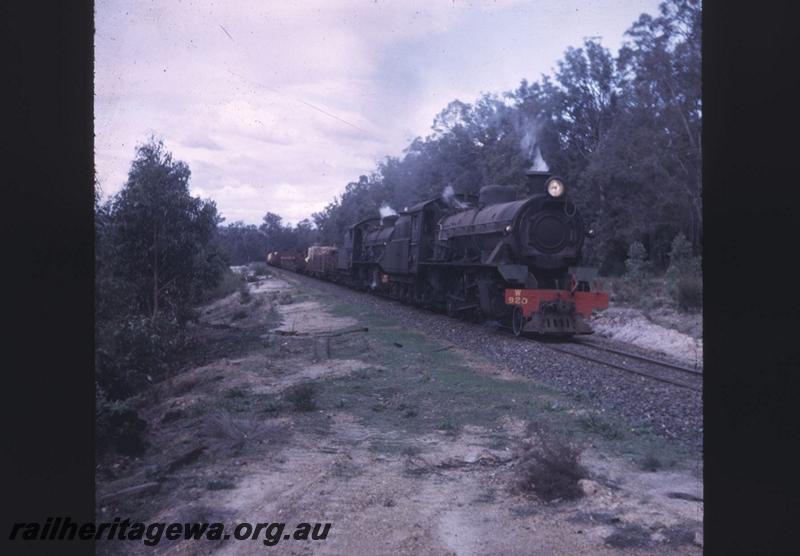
117, 425
259, 269
134, 351
548, 466
230, 283
651, 463
636, 265
684, 275
624, 291
689, 294
682, 261
245, 296
302, 397
235, 393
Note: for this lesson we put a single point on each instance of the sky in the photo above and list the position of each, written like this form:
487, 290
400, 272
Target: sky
276, 106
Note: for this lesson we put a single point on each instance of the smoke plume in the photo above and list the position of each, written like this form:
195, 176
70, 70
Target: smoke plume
530, 146
386, 210
449, 197
539, 165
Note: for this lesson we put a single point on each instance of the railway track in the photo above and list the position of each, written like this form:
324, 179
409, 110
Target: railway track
651, 402
648, 367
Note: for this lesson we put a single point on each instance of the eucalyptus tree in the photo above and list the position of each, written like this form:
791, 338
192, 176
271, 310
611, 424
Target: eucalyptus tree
159, 237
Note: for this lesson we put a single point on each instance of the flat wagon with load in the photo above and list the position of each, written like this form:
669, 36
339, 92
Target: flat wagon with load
321, 260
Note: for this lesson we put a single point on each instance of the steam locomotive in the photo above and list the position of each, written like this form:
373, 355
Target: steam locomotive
510, 255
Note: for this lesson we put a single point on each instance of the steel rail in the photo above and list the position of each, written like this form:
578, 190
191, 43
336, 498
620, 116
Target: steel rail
678, 383
640, 357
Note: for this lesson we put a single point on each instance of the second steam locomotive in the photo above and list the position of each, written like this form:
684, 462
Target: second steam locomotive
508, 255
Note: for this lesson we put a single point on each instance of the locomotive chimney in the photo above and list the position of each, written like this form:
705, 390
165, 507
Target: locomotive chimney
536, 181
389, 220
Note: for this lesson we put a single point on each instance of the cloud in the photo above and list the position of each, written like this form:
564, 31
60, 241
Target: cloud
199, 141
291, 101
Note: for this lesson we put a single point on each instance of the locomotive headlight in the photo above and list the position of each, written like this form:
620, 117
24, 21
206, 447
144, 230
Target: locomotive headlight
555, 188
508, 229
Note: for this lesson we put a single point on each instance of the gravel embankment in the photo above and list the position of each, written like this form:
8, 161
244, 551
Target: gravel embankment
644, 404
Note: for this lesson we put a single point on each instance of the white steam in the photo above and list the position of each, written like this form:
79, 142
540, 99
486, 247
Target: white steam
539, 165
449, 197
530, 146
386, 210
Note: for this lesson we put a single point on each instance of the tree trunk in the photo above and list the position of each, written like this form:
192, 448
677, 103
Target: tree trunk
155, 270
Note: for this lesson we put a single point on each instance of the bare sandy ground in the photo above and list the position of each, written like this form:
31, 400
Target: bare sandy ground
663, 331
385, 491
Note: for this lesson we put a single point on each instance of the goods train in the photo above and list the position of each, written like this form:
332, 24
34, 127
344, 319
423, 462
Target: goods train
511, 255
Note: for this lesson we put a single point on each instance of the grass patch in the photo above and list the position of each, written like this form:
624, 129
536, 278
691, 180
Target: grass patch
240, 401
364, 315
239, 314
436, 392
449, 428
485, 497
594, 424
420, 389
423, 384
269, 316
231, 432
391, 446
271, 405
629, 536
345, 470
221, 484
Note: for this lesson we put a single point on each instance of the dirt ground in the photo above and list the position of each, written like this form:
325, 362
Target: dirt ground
294, 413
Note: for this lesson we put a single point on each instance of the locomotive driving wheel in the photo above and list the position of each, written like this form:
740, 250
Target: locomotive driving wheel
517, 321
456, 298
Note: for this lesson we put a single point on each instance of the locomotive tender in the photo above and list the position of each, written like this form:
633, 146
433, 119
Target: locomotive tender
508, 255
